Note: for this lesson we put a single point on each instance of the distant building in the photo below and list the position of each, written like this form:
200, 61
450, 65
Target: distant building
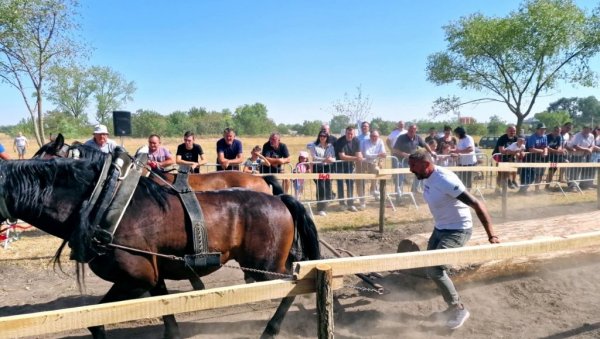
466, 121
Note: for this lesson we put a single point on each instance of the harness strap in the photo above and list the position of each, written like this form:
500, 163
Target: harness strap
129, 180
192, 209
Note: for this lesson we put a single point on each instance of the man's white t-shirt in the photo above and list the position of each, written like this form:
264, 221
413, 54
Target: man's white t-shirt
466, 158
440, 191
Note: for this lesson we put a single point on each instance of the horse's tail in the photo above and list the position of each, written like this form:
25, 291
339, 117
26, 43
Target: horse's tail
274, 183
306, 238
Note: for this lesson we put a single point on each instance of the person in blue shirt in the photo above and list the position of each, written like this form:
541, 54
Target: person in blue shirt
3, 154
229, 151
537, 151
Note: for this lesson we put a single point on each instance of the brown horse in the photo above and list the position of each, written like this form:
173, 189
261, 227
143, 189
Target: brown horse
198, 182
259, 231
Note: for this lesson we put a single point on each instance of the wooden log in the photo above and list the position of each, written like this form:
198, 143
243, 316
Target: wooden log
541, 228
324, 288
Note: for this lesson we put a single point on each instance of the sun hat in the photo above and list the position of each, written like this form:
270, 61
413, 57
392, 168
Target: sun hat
100, 129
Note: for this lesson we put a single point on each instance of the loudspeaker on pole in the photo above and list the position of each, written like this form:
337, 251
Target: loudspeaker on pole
122, 123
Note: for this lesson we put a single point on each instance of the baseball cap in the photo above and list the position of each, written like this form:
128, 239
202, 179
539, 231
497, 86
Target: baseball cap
303, 154
100, 129
540, 125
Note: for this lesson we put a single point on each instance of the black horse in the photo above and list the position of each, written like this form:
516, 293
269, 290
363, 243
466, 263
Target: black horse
258, 230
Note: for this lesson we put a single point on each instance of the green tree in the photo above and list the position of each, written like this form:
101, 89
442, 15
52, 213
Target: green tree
252, 120
111, 91
34, 36
146, 122
568, 105
65, 123
496, 125
310, 128
384, 126
70, 89
339, 123
518, 57
590, 110
551, 119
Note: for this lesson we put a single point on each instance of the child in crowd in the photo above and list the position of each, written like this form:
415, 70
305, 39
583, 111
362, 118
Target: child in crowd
445, 157
255, 160
301, 167
518, 148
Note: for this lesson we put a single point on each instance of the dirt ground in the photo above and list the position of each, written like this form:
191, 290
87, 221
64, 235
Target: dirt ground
558, 299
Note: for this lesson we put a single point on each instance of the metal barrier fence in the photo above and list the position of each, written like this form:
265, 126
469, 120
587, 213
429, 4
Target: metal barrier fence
577, 178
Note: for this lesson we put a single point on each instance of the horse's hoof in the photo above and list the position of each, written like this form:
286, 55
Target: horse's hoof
176, 335
269, 333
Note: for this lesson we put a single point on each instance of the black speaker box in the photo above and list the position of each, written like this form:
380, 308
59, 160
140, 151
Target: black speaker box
122, 123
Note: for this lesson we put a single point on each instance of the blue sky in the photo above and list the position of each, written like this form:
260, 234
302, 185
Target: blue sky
296, 57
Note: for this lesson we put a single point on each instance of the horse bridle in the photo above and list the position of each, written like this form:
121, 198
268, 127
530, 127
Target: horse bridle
65, 152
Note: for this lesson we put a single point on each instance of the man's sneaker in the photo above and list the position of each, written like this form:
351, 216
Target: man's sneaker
458, 318
362, 207
352, 209
322, 213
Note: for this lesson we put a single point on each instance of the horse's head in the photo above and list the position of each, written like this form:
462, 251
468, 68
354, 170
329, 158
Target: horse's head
53, 149
46, 193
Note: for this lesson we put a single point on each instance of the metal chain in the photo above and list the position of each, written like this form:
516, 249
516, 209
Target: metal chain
363, 289
281, 275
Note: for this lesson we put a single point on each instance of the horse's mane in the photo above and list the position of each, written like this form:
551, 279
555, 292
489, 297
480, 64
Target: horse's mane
30, 183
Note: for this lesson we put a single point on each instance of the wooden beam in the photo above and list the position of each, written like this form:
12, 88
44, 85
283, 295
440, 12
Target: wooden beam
454, 256
81, 317
549, 164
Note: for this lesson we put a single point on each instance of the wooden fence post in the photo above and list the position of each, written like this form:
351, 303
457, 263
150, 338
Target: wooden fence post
382, 197
324, 301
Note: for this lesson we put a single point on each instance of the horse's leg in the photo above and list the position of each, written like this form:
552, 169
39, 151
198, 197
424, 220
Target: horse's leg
197, 284
171, 328
274, 324
116, 293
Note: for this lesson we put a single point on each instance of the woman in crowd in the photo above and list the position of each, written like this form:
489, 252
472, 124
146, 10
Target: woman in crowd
323, 155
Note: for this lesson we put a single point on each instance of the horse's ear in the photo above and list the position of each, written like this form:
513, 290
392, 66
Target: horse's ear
59, 142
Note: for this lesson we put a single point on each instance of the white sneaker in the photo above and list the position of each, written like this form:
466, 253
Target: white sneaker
352, 209
322, 213
362, 207
458, 318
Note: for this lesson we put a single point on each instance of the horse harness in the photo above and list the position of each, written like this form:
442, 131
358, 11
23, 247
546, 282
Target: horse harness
112, 194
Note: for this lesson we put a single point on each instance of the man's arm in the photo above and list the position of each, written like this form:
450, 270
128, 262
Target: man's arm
482, 213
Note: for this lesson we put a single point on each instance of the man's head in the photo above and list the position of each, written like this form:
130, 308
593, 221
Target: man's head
400, 125
421, 164
228, 135
447, 130
540, 129
374, 135
364, 127
188, 139
274, 139
432, 131
567, 127
153, 143
460, 132
349, 133
100, 135
20, 134
586, 130
556, 130
412, 130
326, 128
511, 130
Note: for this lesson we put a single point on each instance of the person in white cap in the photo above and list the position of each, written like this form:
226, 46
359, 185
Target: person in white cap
101, 141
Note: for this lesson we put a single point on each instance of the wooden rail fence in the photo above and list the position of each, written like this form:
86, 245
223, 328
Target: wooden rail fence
305, 277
